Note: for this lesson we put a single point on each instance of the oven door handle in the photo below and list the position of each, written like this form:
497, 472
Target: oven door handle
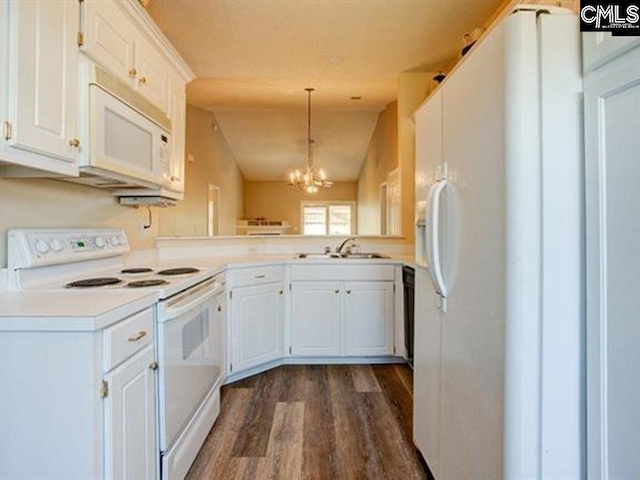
199, 294
173, 312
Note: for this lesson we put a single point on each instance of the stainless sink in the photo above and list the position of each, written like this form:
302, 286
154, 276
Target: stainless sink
334, 256
365, 256
327, 256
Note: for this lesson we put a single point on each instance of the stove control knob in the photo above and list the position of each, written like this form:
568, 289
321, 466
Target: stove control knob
122, 240
42, 246
100, 242
56, 245
114, 241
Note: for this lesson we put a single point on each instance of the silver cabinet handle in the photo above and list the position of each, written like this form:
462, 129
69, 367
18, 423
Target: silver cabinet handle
137, 337
259, 276
154, 366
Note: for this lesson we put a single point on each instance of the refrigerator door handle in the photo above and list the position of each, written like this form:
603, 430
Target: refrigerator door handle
433, 250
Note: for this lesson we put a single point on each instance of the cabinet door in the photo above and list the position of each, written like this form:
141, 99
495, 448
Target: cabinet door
130, 415
177, 115
110, 38
43, 66
368, 318
256, 320
316, 314
223, 325
153, 72
612, 123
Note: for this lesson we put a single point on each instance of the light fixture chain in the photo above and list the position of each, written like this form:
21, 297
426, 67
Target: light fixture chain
308, 181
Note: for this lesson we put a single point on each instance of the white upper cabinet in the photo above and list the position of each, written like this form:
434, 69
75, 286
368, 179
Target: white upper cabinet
39, 85
153, 71
112, 40
178, 116
109, 38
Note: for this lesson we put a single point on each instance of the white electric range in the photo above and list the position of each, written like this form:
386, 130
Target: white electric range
189, 339
57, 259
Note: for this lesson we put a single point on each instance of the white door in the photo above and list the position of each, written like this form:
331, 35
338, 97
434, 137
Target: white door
316, 318
601, 47
256, 320
367, 321
612, 123
43, 60
130, 419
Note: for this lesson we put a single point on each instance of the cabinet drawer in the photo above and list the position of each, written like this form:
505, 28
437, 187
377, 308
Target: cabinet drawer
342, 272
238, 277
127, 337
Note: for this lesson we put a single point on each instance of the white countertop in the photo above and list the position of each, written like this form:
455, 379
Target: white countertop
69, 311
219, 263
94, 310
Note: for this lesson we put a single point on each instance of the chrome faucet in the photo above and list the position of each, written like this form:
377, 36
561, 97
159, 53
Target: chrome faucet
349, 239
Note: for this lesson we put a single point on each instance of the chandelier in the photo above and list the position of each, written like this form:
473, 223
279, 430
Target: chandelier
312, 179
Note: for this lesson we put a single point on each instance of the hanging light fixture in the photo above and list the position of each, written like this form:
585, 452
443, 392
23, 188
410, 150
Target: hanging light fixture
312, 179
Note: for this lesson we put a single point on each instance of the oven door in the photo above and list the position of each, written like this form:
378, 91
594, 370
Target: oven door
188, 355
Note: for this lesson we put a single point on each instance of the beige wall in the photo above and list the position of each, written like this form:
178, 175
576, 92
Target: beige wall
41, 203
412, 90
392, 146
278, 201
380, 159
213, 163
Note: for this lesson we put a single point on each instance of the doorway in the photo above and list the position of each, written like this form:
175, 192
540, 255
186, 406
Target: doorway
213, 210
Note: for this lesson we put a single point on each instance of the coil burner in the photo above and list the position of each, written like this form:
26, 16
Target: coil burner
146, 283
178, 271
136, 270
94, 282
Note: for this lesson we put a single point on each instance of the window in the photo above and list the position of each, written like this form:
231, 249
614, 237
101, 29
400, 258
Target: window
328, 218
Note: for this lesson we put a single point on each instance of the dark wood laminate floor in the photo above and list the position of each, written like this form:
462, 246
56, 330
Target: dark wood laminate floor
314, 422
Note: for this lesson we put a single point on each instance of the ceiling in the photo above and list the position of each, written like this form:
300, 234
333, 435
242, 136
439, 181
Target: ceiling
254, 58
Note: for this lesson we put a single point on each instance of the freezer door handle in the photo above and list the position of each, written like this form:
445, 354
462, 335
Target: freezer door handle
433, 249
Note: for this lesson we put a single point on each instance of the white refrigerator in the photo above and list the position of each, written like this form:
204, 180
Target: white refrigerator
499, 313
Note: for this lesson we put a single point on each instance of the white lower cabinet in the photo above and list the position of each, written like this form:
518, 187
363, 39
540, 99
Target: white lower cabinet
256, 325
341, 318
79, 404
316, 318
368, 318
130, 415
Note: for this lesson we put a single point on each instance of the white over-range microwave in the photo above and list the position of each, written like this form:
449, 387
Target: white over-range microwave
129, 144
